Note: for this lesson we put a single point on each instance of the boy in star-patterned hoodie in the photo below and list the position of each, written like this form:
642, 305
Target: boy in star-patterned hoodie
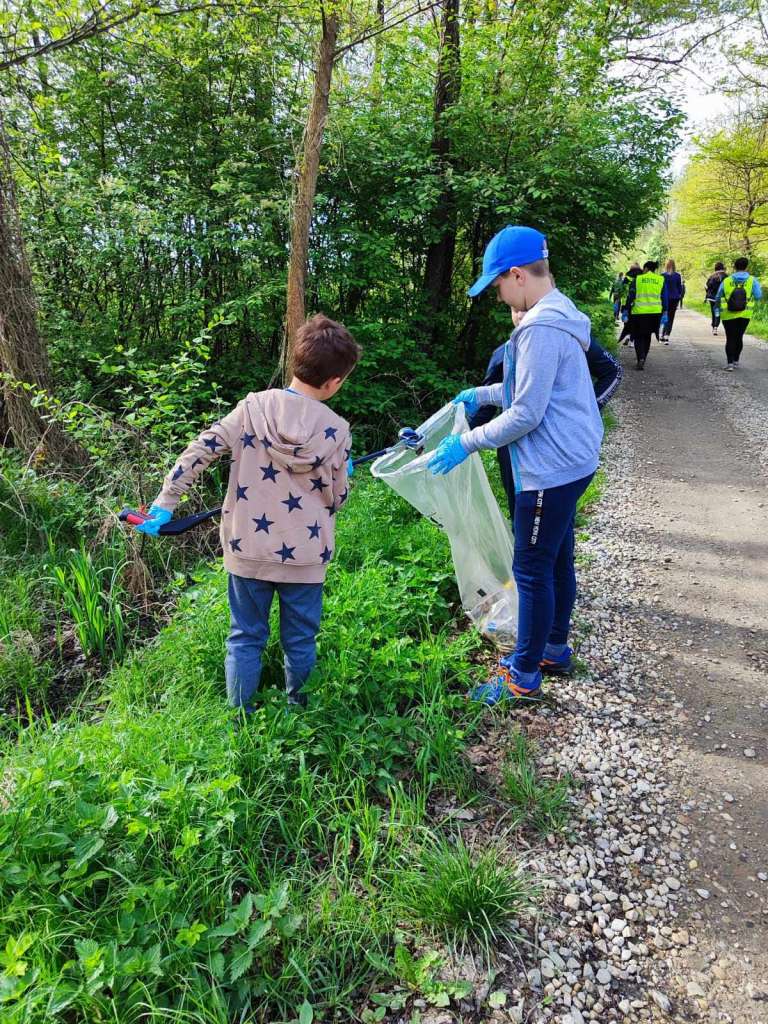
287, 480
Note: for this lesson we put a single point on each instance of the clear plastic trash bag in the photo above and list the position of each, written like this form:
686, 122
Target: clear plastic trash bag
463, 505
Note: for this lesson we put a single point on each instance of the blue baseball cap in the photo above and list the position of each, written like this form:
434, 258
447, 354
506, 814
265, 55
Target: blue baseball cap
514, 246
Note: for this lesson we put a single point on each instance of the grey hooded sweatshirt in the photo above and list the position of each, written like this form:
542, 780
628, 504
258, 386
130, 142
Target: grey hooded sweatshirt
550, 422
287, 480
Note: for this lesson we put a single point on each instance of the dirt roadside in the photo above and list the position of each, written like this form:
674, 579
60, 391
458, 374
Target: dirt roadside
700, 516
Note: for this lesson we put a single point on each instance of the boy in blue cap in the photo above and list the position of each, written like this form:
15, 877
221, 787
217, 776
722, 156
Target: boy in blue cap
551, 424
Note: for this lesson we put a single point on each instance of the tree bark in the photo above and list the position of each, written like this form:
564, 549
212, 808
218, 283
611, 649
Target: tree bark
438, 273
306, 180
23, 356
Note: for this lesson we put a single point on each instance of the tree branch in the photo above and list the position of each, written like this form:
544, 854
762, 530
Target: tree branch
640, 58
97, 24
385, 27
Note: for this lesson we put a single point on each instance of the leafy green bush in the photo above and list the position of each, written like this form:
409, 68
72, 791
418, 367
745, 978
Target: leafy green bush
603, 327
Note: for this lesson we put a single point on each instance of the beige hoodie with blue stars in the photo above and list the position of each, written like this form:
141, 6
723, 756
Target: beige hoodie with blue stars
287, 480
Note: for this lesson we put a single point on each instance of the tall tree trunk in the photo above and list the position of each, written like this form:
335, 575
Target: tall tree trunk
23, 356
438, 273
306, 180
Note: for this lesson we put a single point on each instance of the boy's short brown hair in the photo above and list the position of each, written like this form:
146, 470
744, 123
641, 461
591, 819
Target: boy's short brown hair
323, 349
539, 268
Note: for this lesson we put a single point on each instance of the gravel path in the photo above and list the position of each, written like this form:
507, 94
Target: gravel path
658, 905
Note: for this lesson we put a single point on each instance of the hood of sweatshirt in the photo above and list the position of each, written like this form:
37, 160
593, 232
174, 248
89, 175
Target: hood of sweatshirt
299, 433
556, 310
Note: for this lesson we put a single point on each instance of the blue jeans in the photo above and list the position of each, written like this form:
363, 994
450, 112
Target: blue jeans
301, 606
544, 570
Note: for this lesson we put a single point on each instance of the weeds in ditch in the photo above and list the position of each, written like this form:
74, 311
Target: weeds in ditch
91, 596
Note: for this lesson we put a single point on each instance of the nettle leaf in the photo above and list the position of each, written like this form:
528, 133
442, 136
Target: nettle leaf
89, 953
280, 903
49, 841
138, 826
242, 913
85, 849
218, 966
306, 1013
63, 995
226, 930
190, 936
288, 925
242, 958
16, 948
256, 933
110, 818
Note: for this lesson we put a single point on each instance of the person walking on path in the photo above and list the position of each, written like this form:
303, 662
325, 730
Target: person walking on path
736, 295
626, 308
552, 425
714, 281
675, 293
648, 298
286, 483
617, 294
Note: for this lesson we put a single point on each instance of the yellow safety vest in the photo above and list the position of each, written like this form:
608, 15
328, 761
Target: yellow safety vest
648, 289
728, 286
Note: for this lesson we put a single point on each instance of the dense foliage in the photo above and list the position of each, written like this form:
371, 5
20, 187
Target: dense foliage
154, 862
156, 170
719, 207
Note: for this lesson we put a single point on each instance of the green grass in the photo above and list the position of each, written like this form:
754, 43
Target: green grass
463, 896
590, 498
158, 864
91, 595
543, 804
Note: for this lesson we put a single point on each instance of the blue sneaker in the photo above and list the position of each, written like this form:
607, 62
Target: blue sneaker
502, 688
559, 666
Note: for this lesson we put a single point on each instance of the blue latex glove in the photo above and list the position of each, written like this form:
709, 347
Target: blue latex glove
624, 316
664, 319
350, 467
157, 517
450, 454
467, 397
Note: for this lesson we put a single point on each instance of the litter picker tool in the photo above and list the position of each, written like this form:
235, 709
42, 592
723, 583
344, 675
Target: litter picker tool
407, 437
134, 517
